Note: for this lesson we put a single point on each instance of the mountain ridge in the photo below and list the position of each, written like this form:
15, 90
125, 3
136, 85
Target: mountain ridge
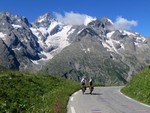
96, 50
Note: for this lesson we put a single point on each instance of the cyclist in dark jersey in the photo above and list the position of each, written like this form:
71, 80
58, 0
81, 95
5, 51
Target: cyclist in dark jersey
91, 85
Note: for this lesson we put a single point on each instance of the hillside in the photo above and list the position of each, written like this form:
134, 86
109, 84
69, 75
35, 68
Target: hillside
139, 87
28, 92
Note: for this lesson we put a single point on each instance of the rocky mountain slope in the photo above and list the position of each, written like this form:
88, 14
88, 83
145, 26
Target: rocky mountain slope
19, 45
96, 50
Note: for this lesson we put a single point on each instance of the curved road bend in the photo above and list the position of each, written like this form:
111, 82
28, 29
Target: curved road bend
104, 100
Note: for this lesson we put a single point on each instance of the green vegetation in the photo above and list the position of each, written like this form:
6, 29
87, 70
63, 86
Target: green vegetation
34, 93
139, 87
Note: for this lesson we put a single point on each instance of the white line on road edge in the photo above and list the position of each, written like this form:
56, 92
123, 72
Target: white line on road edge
72, 110
71, 98
135, 100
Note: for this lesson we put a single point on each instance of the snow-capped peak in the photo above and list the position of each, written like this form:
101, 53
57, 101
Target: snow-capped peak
88, 19
53, 44
52, 35
110, 21
101, 23
45, 17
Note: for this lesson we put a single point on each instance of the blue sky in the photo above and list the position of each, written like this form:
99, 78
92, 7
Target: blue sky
137, 10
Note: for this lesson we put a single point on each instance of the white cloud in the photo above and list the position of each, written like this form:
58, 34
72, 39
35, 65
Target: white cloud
122, 23
74, 18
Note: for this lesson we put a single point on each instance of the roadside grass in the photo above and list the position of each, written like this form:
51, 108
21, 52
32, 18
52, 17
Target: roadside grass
25, 92
139, 87
34, 93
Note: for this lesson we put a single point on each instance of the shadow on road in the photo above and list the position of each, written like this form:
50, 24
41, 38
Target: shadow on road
93, 94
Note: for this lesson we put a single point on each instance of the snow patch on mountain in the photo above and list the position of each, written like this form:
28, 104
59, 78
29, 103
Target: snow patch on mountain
122, 45
60, 39
16, 49
45, 30
35, 31
124, 32
16, 26
136, 37
140, 42
53, 25
2, 36
88, 19
105, 45
52, 44
40, 20
110, 34
86, 50
80, 31
109, 43
45, 17
35, 62
47, 55
110, 21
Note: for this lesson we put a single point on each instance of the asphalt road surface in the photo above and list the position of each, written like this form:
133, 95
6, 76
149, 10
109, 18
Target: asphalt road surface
104, 100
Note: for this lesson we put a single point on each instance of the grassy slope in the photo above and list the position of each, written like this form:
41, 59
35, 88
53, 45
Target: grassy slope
139, 87
26, 92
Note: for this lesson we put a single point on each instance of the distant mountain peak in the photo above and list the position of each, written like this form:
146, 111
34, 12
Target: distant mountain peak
5, 13
107, 20
44, 18
102, 22
9, 15
8, 18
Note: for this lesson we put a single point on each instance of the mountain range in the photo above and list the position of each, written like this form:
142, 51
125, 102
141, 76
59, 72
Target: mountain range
97, 50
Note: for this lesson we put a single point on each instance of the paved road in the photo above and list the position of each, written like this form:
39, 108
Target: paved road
104, 100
